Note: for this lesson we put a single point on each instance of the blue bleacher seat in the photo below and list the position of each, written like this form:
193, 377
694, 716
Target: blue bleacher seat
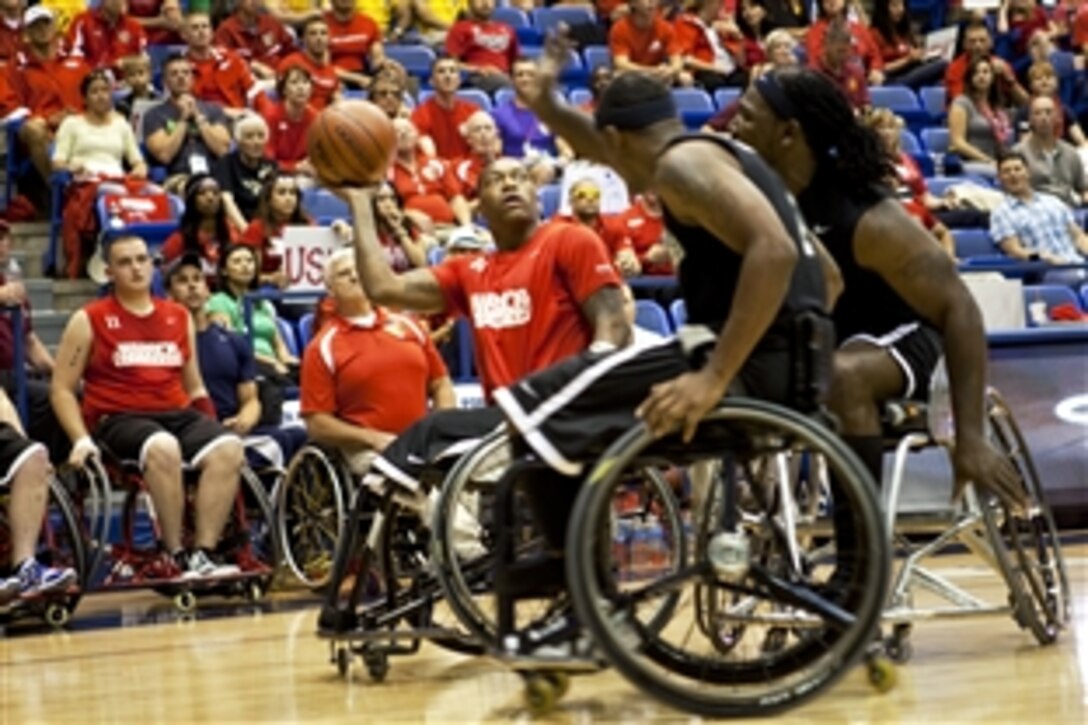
595, 55
651, 316
973, 243
548, 198
472, 95
306, 329
695, 106
903, 101
933, 100
935, 140
932, 10
503, 95
325, 207
435, 255
1064, 66
580, 96
1052, 294
1084, 296
513, 17
724, 96
416, 59
287, 332
909, 143
545, 19
679, 312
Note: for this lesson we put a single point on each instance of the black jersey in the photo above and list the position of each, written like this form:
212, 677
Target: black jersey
868, 304
709, 271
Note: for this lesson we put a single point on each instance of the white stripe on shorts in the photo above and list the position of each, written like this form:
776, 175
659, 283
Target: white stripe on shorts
887, 342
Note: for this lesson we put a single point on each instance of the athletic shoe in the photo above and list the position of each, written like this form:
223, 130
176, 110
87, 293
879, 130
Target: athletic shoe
33, 578
198, 565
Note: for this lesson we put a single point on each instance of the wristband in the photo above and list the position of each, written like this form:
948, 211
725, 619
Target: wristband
84, 442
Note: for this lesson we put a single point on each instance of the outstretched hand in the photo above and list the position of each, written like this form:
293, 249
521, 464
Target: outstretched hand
981, 464
557, 48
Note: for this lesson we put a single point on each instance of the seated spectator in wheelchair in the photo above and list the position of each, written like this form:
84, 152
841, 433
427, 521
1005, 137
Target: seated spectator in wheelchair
144, 403
183, 134
237, 276
25, 473
1054, 165
229, 371
204, 228
585, 209
1033, 225
242, 172
93, 146
369, 374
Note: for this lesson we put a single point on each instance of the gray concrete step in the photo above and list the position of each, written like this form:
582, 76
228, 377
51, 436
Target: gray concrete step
30, 261
49, 324
40, 292
71, 294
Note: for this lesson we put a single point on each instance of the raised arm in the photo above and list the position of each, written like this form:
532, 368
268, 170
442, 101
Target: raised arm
416, 290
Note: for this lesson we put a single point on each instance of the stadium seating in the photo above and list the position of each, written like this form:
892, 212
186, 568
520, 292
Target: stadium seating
973, 243
287, 332
546, 19
1052, 294
695, 106
306, 329
725, 96
595, 55
933, 100
548, 197
902, 101
651, 316
325, 207
416, 59
678, 310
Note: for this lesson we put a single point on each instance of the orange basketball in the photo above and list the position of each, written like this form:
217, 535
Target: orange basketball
351, 143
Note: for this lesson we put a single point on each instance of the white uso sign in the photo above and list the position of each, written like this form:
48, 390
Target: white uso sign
304, 251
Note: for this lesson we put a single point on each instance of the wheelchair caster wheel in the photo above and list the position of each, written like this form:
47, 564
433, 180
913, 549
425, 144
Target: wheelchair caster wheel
343, 661
882, 674
898, 646
377, 665
185, 602
542, 693
255, 592
57, 615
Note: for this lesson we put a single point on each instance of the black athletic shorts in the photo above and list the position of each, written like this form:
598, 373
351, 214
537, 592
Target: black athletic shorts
125, 435
15, 449
916, 349
442, 436
571, 412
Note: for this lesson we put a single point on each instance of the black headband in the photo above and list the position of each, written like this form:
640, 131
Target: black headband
636, 117
775, 96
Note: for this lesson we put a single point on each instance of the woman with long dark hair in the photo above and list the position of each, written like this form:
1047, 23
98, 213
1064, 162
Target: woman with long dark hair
279, 205
905, 61
204, 228
978, 123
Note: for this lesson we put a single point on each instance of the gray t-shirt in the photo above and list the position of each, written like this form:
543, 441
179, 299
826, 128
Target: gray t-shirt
1058, 172
980, 132
194, 156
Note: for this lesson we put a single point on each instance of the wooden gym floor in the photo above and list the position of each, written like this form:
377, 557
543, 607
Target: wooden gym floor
128, 658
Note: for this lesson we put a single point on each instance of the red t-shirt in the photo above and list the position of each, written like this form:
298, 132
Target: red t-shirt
956, 73
266, 42
467, 171
429, 188
349, 42
890, 49
525, 305
372, 373
135, 361
209, 248
223, 78
286, 138
645, 230
488, 43
102, 43
11, 39
851, 79
608, 228
46, 87
443, 125
691, 38
650, 47
324, 78
152, 9
862, 42
258, 236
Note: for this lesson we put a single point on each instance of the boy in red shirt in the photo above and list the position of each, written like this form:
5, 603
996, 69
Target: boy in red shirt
219, 74
645, 42
486, 49
440, 117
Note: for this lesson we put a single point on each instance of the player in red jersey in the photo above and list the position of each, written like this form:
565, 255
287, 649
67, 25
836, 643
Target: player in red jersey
548, 292
144, 400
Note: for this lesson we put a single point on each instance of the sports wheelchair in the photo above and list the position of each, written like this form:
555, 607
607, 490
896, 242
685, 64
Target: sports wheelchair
1021, 546
743, 609
60, 543
132, 560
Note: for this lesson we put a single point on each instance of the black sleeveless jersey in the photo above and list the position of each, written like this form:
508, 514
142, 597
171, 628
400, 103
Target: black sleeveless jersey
709, 270
868, 304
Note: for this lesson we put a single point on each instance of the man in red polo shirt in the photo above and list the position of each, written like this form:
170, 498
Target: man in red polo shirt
46, 84
354, 40
316, 59
977, 43
486, 49
644, 41
219, 74
104, 35
441, 116
369, 373
426, 185
261, 40
585, 209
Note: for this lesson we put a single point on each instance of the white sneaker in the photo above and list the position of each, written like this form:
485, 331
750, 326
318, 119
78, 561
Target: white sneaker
200, 566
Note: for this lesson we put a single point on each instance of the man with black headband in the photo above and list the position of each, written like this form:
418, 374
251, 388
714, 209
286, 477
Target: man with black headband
902, 293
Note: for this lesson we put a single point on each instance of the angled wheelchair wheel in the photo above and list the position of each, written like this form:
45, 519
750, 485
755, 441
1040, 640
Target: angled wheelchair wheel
804, 611
249, 537
91, 495
310, 510
1026, 545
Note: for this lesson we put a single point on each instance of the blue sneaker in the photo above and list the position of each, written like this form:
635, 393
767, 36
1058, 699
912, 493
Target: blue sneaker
34, 578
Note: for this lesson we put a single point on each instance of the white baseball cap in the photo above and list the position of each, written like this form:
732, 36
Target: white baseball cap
36, 13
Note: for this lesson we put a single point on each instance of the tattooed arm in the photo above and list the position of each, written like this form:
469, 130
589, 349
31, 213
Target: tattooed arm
71, 360
604, 310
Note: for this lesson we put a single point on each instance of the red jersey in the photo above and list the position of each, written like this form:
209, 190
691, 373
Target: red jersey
692, 38
443, 125
427, 188
147, 9
135, 361
861, 40
11, 38
1080, 28
645, 230
103, 43
47, 87
467, 171
373, 372
286, 137
266, 41
326, 82
525, 305
608, 228
258, 236
483, 43
350, 41
223, 78
650, 46
890, 49
210, 247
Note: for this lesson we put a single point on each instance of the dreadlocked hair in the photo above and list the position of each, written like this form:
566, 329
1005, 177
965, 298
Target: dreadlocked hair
848, 154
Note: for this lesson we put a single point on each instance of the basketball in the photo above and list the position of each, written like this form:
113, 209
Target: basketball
351, 143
